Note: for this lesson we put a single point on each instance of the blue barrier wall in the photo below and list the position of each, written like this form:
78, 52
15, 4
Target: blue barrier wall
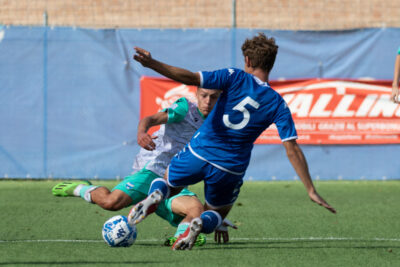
69, 98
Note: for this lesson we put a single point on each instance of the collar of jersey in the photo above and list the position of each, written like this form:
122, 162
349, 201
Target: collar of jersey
260, 82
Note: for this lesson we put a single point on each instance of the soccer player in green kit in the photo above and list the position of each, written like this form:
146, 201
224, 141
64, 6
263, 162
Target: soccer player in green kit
178, 123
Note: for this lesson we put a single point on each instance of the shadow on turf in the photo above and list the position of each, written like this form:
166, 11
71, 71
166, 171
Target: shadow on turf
78, 263
311, 244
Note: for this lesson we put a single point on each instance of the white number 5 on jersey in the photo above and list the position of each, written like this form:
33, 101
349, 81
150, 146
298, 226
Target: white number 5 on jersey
246, 114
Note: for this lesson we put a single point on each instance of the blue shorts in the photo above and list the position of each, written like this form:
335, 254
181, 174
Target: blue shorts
221, 188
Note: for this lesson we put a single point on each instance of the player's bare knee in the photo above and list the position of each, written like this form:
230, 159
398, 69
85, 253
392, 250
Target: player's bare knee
187, 206
194, 209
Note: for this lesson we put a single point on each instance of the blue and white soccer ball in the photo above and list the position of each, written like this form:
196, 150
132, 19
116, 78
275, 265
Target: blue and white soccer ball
118, 233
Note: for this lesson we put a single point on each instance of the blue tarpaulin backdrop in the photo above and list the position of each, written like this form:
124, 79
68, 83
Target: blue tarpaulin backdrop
69, 98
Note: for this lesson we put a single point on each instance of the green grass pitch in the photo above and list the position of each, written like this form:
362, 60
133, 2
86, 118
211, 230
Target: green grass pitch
278, 226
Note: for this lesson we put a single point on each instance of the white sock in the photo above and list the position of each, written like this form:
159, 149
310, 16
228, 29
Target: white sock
77, 190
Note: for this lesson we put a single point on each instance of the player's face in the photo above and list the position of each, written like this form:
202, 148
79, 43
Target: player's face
206, 99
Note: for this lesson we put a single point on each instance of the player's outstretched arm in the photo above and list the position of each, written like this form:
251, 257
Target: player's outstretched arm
177, 74
143, 138
395, 84
299, 163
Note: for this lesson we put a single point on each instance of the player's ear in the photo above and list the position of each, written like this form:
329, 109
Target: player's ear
247, 61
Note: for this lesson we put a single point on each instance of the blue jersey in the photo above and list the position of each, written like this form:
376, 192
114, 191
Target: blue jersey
246, 107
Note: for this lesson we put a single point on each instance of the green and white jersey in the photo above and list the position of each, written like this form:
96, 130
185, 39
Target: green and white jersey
184, 119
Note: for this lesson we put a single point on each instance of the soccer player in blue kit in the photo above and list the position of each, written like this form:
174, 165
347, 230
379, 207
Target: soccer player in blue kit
220, 150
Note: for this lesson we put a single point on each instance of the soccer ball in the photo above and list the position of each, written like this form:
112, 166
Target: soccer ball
118, 233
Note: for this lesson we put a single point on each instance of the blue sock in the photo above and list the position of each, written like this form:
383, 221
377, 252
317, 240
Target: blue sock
211, 220
161, 185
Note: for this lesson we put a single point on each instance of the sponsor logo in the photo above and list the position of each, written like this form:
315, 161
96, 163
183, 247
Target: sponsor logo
339, 112
339, 99
129, 186
174, 94
121, 233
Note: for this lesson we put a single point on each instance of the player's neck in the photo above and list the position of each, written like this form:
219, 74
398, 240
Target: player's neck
260, 74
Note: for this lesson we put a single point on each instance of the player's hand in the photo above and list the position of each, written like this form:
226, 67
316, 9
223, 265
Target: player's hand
315, 197
146, 141
222, 231
395, 94
142, 56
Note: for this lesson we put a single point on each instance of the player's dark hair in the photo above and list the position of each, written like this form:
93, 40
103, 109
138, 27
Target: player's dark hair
261, 51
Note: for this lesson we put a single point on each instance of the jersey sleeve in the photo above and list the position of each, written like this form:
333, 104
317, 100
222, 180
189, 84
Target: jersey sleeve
398, 51
177, 111
285, 124
219, 79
